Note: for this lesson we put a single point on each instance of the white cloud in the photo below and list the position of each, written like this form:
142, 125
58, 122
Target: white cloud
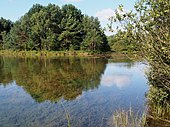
72, 0
119, 81
104, 14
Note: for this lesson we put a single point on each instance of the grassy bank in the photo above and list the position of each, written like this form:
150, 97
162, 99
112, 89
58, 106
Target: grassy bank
53, 54
50, 54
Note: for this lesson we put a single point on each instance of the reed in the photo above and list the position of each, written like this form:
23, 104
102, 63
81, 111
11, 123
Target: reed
122, 118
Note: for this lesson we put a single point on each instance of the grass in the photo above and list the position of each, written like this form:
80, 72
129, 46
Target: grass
122, 118
158, 107
159, 115
51, 54
117, 56
154, 116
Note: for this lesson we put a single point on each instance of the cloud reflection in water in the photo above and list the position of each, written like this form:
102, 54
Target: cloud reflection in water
119, 78
116, 80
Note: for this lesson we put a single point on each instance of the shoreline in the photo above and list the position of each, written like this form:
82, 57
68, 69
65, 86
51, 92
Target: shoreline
52, 54
56, 54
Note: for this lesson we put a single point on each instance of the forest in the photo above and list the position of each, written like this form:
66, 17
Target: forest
53, 28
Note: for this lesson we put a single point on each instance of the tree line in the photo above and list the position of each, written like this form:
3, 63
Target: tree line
122, 42
54, 29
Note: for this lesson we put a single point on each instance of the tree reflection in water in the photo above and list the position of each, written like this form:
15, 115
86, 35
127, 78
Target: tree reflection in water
53, 79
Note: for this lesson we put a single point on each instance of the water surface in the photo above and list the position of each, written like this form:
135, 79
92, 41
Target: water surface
39, 92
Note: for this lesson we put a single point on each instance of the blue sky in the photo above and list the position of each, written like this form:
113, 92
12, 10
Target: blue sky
14, 9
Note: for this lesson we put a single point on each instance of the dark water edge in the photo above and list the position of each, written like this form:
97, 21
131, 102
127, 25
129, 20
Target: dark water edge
38, 92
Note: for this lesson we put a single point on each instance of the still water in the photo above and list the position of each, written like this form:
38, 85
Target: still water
43, 92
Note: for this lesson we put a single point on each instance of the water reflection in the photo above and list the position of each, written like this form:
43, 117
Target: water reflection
119, 80
55, 78
33, 91
121, 74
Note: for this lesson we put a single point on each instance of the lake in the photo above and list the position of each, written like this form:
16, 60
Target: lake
44, 92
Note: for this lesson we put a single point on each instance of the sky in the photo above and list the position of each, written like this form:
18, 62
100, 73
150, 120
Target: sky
103, 9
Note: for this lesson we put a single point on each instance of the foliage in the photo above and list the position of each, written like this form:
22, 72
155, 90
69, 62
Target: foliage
155, 35
120, 42
53, 28
159, 103
5, 27
94, 37
150, 28
71, 25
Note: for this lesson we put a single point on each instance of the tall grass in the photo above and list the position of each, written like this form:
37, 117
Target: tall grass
159, 115
122, 118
